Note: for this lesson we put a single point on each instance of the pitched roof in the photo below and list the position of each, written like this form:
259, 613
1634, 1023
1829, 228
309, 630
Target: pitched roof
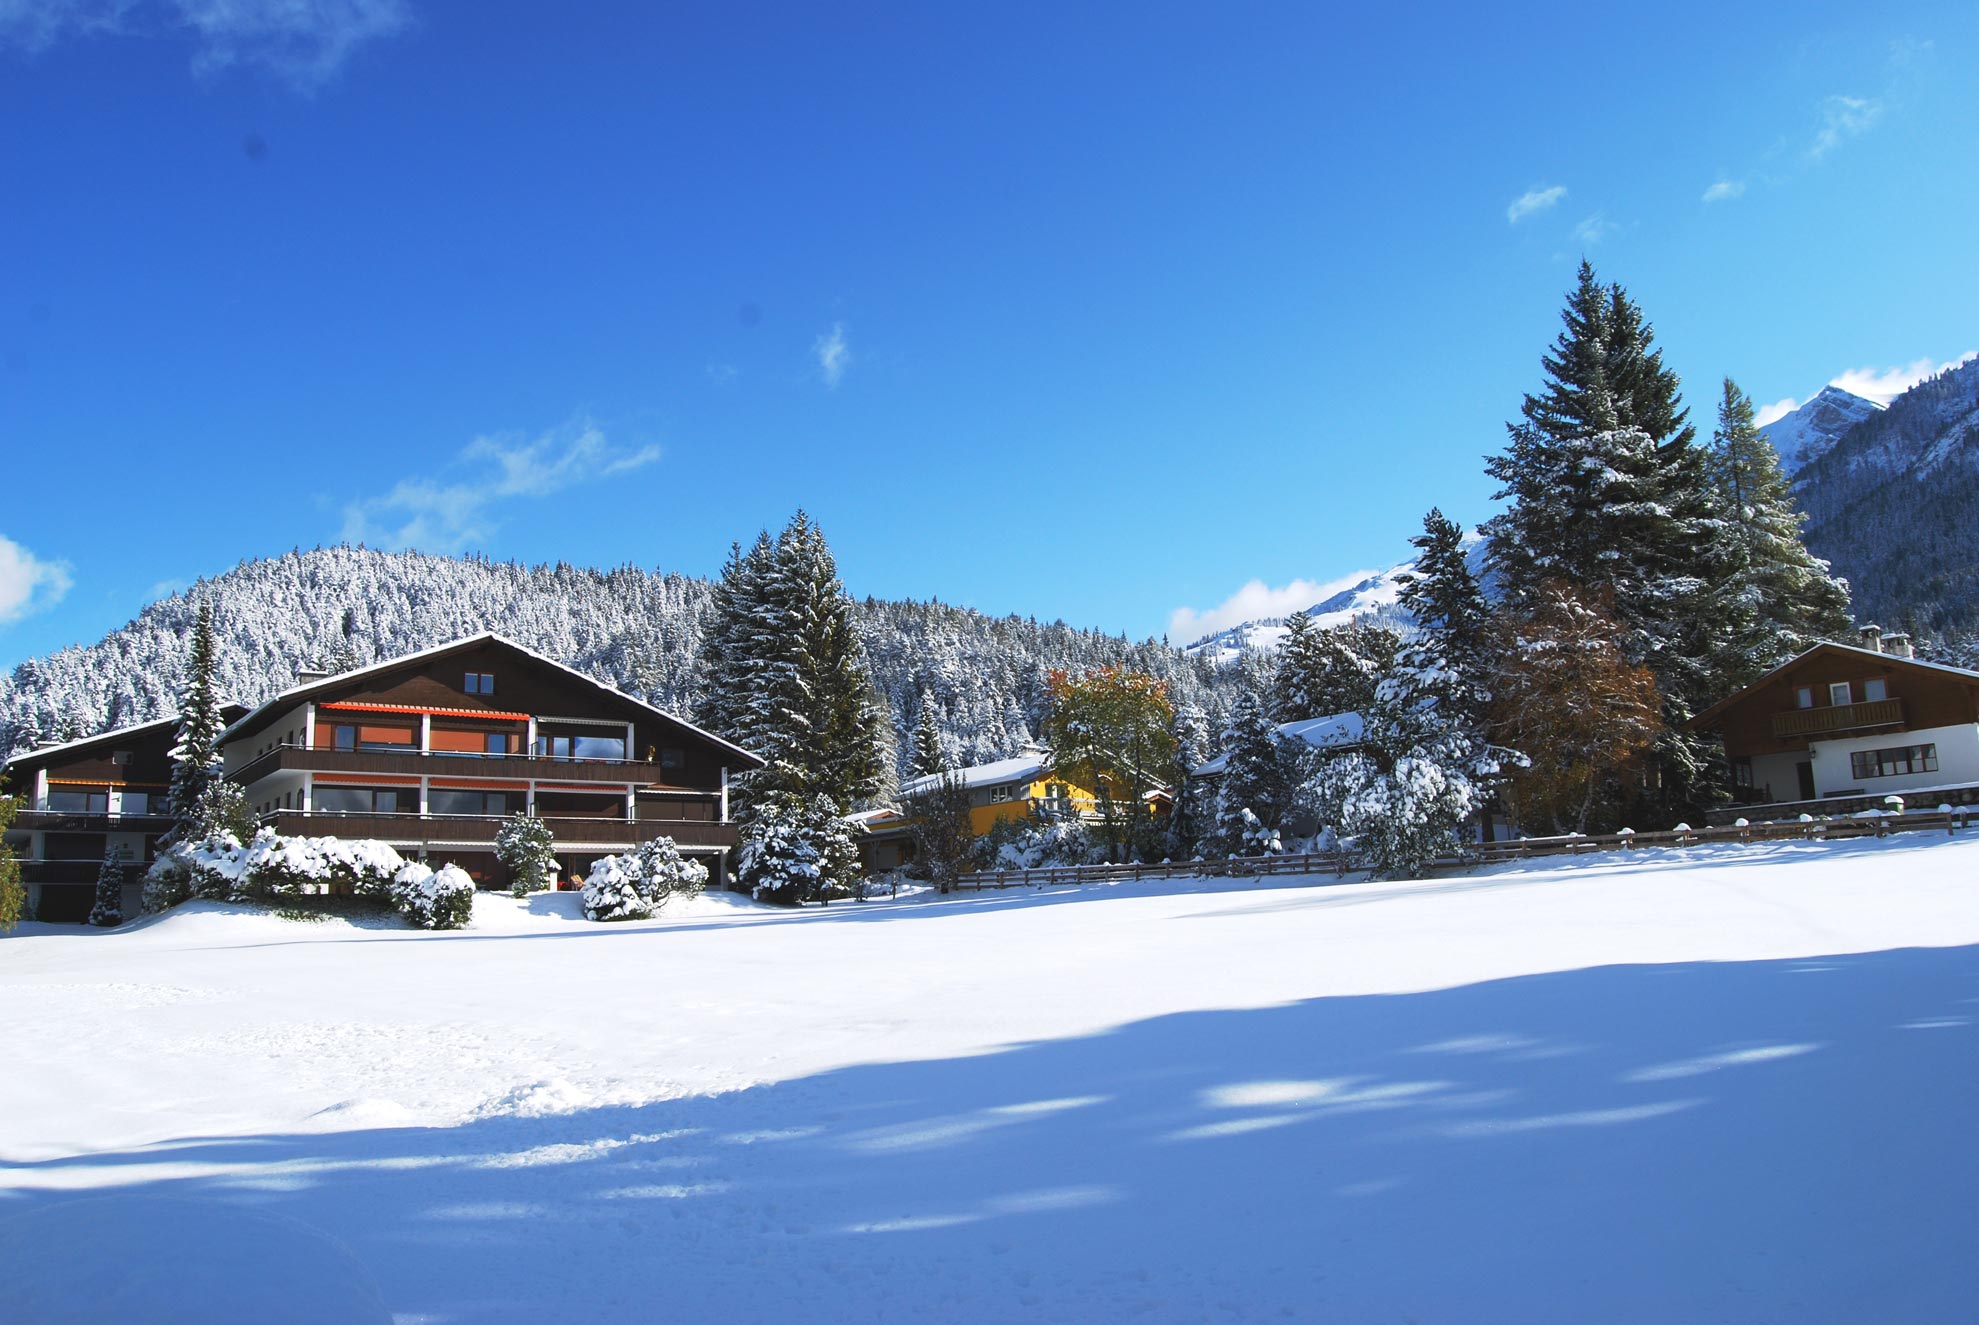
1024, 768
316, 686
1336, 731
1711, 714
228, 713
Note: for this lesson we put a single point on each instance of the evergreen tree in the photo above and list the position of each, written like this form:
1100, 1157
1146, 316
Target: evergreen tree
1322, 671
928, 757
1192, 816
108, 910
732, 643
195, 755
1608, 494
13, 894
527, 850
1775, 598
1254, 791
1444, 597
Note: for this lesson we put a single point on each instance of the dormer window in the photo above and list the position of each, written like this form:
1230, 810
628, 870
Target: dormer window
480, 683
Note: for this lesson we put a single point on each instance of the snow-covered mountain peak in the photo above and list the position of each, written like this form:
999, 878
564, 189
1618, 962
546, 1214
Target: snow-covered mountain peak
1812, 430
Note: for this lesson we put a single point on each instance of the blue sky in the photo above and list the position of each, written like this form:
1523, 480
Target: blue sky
1098, 313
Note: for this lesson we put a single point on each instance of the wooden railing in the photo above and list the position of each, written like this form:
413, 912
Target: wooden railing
581, 831
1339, 864
1836, 718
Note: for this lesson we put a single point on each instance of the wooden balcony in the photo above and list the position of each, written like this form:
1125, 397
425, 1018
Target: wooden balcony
79, 821
474, 830
413, 763
1837, 718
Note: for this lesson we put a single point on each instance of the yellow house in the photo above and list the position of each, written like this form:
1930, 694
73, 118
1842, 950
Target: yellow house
1026, 785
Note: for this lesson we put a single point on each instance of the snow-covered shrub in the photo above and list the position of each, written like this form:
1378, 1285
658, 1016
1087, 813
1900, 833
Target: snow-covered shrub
167, 883
222, 868
638, 883
1407, 816
527, 851
433, 899
109, 908
797, 849
1028, 844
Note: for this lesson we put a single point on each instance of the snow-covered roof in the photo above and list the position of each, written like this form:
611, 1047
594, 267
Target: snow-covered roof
1945, 669
315, 685
1028, 767
41, 752
1334, 732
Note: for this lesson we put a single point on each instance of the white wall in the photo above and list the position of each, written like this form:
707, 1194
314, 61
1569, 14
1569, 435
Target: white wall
1775, 775
1958, 760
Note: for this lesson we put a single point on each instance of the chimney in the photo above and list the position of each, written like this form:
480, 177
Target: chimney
1898, 646
1872, 638
308, 672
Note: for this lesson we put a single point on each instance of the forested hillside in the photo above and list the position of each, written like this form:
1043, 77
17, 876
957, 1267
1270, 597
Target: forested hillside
1894, 504
636, 629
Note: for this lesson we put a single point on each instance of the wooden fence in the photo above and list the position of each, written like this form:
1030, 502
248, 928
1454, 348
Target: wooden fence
1339, 864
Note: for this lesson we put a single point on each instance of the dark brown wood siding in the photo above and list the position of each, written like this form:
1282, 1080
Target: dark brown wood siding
1928, 698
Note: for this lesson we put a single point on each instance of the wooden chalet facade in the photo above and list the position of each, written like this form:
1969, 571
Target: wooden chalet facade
1841, 727
432, 751
82, 798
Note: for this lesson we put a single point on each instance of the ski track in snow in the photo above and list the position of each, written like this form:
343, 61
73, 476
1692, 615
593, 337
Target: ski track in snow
1719, 1084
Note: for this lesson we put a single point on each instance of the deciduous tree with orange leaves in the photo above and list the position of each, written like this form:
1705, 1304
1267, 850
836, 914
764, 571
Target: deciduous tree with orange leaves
1112, 730
1567, 697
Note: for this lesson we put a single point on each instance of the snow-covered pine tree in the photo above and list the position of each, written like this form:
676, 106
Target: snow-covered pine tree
1425, 765
1254, 791
927, 756
527, 850
1775, 598
796, 849
820, 697
1609, 494
195, 755
13, 894
108, 910
1331, 669
730, 664
1192, 818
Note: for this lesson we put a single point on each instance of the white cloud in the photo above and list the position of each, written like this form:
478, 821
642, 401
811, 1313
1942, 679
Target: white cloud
165, 589
1724, 190
27, 583
303, 42
1843, 118
1533, 201
834, 354
1593, 229
1254, 601
436, 515
1776, 411
1883, 385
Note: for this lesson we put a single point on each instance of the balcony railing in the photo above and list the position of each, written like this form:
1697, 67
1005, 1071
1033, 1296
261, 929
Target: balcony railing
91, 821
479, 828
1837, 718
460, 763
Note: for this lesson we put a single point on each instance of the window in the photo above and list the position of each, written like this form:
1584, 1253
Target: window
346, 738
1803, 697
999, 794
600, 747
479, 683
672, 756
445, 801
359, 800
497, 743
137, 802
1742, 773
1838, 693
1874, 689
79, 802
554, 747
1893, 762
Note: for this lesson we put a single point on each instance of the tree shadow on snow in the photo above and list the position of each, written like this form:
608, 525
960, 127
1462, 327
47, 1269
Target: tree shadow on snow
1782, 1140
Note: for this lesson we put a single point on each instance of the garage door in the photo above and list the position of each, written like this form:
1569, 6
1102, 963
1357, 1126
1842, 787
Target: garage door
65, 903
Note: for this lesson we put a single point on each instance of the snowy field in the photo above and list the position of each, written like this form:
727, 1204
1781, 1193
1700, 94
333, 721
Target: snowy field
1728, 1084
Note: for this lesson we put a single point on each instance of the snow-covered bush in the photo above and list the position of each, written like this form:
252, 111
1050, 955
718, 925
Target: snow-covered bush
1407, 816
638, 883
797, 849
222, 868
527, 851
109, 908
1028, 844
433, 899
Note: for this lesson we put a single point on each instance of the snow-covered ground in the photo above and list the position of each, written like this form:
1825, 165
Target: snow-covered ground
1725, 1084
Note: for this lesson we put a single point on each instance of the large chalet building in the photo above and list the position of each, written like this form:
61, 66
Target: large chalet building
1842, 727
429, 753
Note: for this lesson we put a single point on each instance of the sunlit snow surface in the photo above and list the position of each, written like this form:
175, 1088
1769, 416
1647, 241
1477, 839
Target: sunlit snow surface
1716, 1085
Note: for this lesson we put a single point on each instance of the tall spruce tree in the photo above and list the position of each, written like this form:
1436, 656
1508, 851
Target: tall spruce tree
1444, 596
1254, 791
928, 757
196, 755
1776, 598
1327, 670
1609, 494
